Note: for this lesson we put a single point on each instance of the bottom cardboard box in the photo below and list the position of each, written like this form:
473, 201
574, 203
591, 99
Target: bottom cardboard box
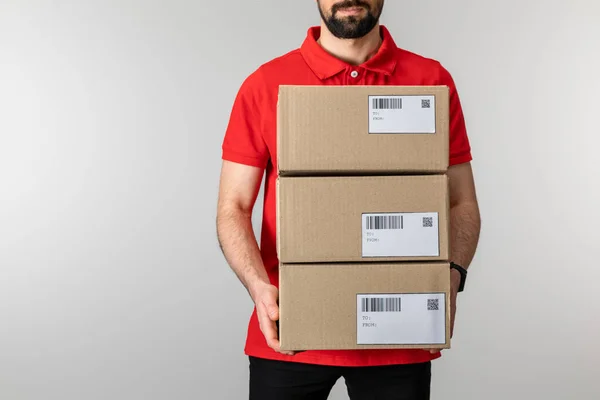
364, 306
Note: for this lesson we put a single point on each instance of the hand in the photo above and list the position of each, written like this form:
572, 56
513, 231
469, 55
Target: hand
454, 285
265, 299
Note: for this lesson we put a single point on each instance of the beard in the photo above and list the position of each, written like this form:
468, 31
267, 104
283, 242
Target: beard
351, 27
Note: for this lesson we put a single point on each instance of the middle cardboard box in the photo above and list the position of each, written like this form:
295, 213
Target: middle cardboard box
362, 218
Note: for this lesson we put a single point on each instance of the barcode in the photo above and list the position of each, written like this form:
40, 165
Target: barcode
425, 103
433, 304
387, 103
427, 222
381, 304
385, 222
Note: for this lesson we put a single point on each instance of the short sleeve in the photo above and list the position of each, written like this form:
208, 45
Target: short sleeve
460, 148
244, 142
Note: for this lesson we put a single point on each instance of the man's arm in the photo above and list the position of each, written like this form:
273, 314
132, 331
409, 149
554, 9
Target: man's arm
465, 222
239, 186
465, 225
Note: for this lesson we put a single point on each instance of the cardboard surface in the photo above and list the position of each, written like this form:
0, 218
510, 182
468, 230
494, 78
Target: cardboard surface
353, 219
321, 305
365, 130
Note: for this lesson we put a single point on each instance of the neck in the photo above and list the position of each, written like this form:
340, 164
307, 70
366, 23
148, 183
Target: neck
352, 51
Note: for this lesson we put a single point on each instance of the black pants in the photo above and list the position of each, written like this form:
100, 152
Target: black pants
279, 380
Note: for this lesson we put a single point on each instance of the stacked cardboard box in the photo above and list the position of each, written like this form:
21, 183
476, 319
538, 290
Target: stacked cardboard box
363, 217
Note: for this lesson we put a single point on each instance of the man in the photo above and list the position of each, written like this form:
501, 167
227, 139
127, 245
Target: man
349, 48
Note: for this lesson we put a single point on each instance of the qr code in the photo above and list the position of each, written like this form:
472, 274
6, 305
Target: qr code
433, 304
427, 222
425, 103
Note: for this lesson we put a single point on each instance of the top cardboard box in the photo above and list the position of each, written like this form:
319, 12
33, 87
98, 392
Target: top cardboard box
339, 130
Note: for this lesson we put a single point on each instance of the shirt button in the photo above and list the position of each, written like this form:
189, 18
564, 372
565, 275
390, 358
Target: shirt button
354, 74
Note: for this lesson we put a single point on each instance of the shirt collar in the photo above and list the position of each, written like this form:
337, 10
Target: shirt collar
324, 65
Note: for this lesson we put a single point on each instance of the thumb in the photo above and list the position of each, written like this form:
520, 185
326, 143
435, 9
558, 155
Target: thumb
272, 310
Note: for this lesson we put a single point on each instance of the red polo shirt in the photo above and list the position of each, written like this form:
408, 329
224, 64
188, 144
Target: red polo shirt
251, 139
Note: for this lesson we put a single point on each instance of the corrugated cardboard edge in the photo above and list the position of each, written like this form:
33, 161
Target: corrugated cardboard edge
448, 313
449, 249
281, 124
445, 111
448, 246
278, 126
277, 218
277, 249
282, 311
448, 343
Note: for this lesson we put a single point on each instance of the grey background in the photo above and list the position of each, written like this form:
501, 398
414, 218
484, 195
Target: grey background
112, 113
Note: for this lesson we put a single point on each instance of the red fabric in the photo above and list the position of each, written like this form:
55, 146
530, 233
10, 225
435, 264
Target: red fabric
251, 139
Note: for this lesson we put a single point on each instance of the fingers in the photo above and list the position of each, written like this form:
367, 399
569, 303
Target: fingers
266, 319
268, 328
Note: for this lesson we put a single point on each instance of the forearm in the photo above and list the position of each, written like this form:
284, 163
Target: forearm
465, 225
240, 248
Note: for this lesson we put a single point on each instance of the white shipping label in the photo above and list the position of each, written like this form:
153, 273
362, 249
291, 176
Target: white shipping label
402, 114
418, 318
400, 235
